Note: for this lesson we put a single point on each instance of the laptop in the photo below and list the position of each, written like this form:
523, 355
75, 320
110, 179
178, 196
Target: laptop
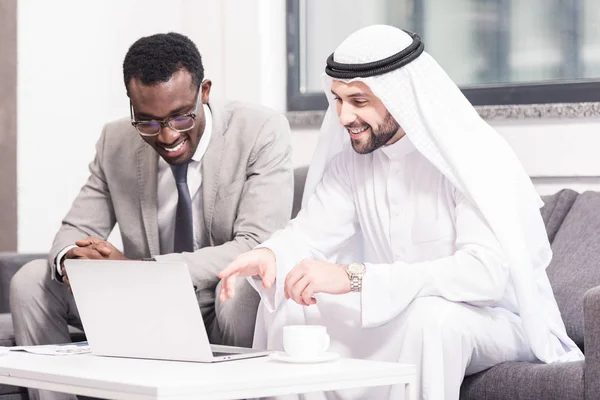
141, 309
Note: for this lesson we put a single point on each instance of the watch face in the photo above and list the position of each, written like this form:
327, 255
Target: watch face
356, 268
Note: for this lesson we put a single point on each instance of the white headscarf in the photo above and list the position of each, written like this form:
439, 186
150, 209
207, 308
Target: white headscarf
447, 130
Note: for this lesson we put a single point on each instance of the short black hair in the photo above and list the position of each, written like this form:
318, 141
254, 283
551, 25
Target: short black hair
154, 59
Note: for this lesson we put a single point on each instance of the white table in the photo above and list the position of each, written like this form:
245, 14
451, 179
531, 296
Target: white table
120, 378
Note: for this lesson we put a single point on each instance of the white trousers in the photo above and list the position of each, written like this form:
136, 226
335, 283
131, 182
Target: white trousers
444, 339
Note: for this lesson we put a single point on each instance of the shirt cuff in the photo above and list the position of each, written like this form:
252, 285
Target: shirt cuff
274, 296
268, 296
59, 257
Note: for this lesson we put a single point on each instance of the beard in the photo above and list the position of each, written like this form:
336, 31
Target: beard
378, 137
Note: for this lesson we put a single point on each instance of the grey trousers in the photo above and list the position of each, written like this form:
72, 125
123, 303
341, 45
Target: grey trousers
42, 310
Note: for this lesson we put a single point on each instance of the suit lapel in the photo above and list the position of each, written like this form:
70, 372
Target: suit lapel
211, 166
147, 177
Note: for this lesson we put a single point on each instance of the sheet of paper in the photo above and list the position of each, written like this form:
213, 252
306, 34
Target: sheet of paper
66, 349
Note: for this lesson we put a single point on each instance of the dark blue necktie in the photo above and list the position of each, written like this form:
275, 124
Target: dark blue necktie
184, 222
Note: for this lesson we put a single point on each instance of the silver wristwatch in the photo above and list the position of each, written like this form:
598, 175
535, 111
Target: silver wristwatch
355, 273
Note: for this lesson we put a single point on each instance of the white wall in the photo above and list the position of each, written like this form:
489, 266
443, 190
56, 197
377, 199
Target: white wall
556, 153
70, 84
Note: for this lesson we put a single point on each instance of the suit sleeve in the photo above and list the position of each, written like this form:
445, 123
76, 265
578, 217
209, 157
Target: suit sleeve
92, 212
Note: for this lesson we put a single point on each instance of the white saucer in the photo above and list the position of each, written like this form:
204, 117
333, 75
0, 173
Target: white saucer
4, 350
325, 357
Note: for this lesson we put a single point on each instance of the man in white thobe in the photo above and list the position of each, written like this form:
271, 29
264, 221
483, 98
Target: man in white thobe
420, 240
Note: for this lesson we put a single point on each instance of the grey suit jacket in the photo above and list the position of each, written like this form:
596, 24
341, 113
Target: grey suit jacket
247, 190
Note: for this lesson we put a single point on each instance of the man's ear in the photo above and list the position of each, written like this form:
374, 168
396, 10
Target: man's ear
206, 85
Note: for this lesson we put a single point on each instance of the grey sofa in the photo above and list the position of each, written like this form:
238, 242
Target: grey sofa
573, 224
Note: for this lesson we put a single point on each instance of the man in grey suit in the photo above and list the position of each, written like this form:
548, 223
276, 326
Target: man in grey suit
186, 180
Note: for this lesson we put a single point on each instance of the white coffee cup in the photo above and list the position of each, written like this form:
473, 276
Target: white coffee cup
305, 341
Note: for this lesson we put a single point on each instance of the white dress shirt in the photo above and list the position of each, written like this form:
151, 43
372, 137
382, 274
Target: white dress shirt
419, 236
167, 196
167, 193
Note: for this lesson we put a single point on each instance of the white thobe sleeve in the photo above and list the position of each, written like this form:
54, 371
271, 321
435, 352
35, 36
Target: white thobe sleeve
477, 273
319, 230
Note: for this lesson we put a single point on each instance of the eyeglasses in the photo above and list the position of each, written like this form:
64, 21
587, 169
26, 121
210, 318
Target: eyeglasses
179, 123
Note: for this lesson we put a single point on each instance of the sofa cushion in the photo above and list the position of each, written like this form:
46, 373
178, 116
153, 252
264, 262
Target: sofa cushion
526, 381
299, 181
9, 264
21, 395
8, 392
555, 209
575, 266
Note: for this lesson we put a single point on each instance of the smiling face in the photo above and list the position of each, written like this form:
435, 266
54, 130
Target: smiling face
172, 98
368, 122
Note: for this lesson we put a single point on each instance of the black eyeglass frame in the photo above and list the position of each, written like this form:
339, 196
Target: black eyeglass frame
166, 122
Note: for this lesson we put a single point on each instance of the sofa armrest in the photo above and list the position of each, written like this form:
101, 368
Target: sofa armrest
591, 339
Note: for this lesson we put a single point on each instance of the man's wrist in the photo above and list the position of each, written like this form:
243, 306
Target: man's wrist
270, 252
356, 272
59, 259
346, 279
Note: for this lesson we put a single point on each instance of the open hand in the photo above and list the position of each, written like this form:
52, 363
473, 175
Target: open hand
259, 262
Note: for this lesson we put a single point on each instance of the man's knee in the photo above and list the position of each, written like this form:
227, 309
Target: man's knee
435, 316
28, 282
245, 301
236, 317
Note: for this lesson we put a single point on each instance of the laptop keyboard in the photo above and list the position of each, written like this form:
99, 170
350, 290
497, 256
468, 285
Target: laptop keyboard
220, 354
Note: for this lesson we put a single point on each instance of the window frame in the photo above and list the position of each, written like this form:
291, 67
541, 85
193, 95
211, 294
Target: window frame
579, 91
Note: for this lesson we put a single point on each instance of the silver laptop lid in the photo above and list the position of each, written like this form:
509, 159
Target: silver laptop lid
139, 309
